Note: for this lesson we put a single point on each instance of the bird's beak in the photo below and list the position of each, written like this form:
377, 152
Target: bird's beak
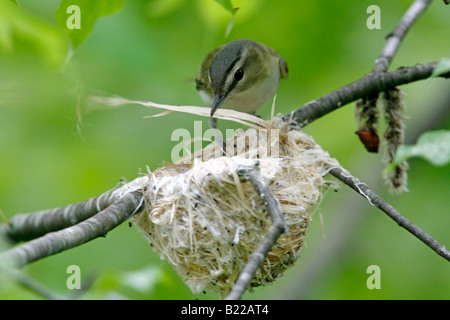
218, 99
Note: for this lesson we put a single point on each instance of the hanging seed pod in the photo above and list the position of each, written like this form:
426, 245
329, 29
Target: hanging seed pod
366, 115
393, 137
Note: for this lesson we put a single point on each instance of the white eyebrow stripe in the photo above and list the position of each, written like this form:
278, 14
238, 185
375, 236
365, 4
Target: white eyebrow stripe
238, 64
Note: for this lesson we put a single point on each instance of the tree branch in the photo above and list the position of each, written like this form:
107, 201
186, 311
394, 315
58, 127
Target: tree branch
27, 226
378, 202
368, 85
394, 39
54, 242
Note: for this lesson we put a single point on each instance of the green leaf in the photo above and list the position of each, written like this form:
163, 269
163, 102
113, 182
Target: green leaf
87, 13
433, 146
443, 66
15, 24
226, 4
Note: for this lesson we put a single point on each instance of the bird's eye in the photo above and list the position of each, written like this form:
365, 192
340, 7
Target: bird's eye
238, 75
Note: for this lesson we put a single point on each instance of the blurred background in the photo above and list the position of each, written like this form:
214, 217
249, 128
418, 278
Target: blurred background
54, 151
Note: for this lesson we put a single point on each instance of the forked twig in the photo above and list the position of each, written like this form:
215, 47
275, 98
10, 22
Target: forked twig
94, 227
27, 226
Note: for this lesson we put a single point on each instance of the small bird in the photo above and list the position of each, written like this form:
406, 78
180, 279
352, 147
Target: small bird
241, 75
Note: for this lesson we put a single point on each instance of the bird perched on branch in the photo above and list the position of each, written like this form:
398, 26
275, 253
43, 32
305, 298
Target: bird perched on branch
241, 75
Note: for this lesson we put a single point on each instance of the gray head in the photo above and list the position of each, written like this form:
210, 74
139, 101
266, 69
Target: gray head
231, 71
224, 62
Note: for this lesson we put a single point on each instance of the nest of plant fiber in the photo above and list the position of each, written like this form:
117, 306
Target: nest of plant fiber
205, 219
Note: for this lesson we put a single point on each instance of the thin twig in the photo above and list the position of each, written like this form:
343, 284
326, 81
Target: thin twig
395, 38
276, 229
378, 202
54, 242
350, 215
366, 86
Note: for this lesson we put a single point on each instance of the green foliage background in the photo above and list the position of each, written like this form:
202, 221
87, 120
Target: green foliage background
150, 50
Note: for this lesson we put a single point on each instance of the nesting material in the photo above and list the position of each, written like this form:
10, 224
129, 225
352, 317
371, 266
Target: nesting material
205, 220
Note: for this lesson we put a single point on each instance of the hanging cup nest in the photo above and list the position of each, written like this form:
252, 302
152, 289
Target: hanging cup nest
205, 219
